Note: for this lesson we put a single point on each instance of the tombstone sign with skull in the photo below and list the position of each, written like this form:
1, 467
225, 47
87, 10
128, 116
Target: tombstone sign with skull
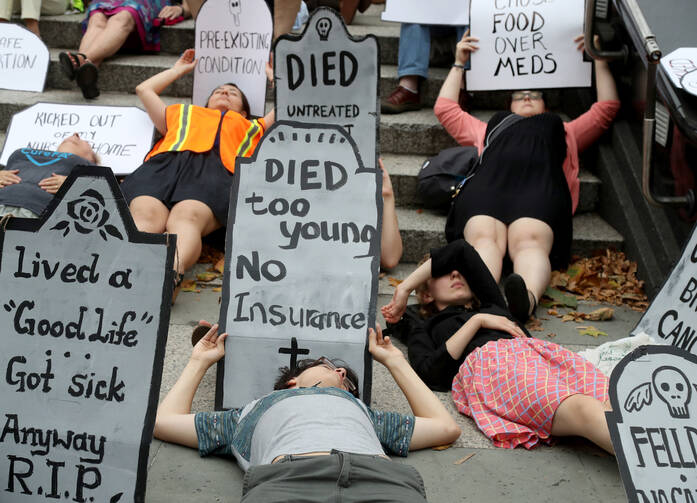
652, 423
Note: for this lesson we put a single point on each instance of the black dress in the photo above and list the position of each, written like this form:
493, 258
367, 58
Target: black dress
428, 354
521, 175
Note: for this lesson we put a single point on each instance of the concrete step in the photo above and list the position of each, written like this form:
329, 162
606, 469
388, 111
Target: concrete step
422, 230
404, 169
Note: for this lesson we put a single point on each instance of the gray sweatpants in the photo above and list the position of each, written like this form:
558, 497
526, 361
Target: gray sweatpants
338, 477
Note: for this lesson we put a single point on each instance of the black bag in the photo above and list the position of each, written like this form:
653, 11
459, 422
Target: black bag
440, 176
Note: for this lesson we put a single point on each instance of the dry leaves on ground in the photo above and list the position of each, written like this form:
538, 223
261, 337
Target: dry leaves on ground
394, 281
590, 330
534, 325
607, 277
210, 255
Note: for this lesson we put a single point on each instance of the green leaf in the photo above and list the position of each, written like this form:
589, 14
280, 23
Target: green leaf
561, 298
592, 331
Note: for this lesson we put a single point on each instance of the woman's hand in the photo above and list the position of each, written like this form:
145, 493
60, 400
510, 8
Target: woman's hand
382, 348
501, 323
387, 190
211, 347
9, 177
393, 311
186, 62
464, 47
171, 11
52, 183
580, 42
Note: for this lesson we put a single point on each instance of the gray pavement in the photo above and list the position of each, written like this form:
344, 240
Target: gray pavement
574, 470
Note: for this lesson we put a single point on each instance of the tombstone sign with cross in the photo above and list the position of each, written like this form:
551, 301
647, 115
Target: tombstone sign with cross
84, 312
309, 287
326, 76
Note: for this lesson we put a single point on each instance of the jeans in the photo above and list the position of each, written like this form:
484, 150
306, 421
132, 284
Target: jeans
415, 47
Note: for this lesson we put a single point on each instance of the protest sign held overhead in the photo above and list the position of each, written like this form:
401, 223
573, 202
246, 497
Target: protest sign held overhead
653, 423
527, 44
121, 136
672, 316
233, 43
327, 76
309, 289
453, 12
23, 59
83, 326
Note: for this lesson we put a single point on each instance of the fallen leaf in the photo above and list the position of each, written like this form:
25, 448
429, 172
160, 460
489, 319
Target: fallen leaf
381, 275
563, 298
551, 334
394, 281
441, 447
534, 325
189, 285
207, 276
220, 265
552, 312
217, 289
602, 314
592, 331
462, 460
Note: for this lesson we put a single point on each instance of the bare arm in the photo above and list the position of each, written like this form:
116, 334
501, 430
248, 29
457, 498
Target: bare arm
174, 421
453, 82
433, 425
393, 311
457, 342
149, 91
390, 240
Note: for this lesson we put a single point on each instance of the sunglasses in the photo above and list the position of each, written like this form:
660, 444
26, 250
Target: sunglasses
326, 362
521, 95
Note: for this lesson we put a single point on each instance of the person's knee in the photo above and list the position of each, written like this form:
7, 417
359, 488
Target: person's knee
97, 20
124, 20
147, 219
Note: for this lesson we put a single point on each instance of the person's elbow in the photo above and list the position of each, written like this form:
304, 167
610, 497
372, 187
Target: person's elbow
390, 258
452, 431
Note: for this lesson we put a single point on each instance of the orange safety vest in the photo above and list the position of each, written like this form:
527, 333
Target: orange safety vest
193, 128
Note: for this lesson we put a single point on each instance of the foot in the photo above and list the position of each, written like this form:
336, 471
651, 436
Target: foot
70, 62
86, 77
521, 301
401, 100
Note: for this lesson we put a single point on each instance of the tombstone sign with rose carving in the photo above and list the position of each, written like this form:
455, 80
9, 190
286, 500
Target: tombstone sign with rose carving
84, 312
653, 426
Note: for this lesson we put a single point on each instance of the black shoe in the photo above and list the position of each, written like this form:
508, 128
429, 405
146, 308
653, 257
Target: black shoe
517, 297
86, 77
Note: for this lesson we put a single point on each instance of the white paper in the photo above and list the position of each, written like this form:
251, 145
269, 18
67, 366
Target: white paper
121, 136
453, 12
23, 59
233, 42
529, 47
681, 67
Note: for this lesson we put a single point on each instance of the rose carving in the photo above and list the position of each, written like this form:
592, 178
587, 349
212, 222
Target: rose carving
88, 214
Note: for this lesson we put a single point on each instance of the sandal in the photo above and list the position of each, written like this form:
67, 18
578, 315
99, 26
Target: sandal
70, 63
86, 77
517, 297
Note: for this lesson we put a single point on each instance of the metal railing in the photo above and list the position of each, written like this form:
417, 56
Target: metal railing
652, 56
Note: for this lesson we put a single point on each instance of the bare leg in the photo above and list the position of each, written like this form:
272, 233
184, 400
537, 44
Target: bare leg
117, 29
149, 214
95, 27
583, 416
488, 236
190, 220
410, 82
285, 12
529, 243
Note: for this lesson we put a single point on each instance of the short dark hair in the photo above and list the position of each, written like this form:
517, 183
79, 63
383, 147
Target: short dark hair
288, 373
245, 102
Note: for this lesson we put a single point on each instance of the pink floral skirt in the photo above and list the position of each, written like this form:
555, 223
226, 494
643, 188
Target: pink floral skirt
512, 388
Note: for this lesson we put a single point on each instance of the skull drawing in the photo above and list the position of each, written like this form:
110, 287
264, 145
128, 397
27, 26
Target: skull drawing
324, 26
674, 389
235, 10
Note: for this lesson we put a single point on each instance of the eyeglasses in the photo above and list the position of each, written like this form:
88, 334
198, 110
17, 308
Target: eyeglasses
521, 95
326, 362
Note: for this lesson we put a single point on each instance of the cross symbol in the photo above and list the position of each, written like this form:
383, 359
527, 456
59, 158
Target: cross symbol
294, 351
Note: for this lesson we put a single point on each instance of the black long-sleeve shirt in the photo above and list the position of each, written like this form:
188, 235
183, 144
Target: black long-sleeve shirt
426, 343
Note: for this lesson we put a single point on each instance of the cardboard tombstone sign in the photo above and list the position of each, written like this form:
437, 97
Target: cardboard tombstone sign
24, 59
326, 76
233, 43
653, 424
452, 12
309, 288
527, 45
672, 316
121, 136
85, 309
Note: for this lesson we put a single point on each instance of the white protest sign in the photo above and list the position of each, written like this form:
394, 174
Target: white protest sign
653, 424
527, 44
233, 42
453, 12
327, 76
121, 136
85, 310
309, 288
24, 59
679, 63
672, 316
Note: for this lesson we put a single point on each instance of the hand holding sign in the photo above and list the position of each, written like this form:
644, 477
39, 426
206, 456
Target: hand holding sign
465, 47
